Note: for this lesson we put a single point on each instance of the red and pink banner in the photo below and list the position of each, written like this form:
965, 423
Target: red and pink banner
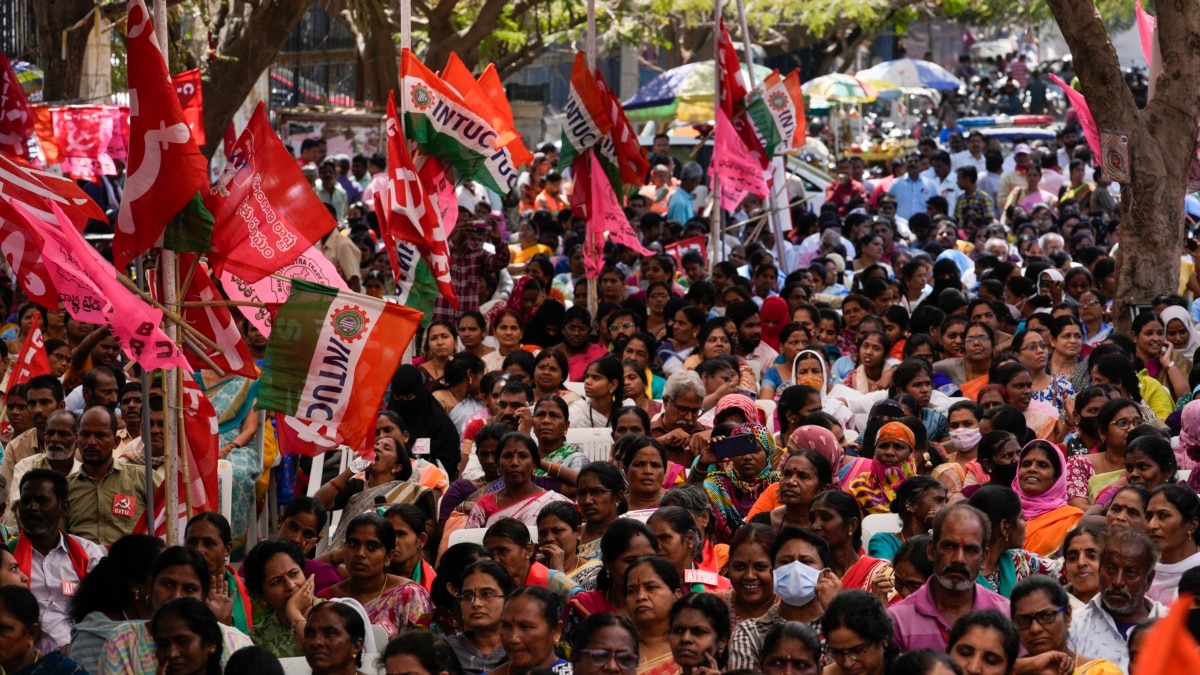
274, 290
1086, 122
607, 221
16, 117
737, 169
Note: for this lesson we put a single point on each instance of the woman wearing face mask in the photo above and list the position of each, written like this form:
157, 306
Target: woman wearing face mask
858, 635
1006, 562
651, 587
836, 399
836, 518
1041, 483
997, 452
804, 586
962, 453
178, 572
753, 592
1087, 432
699, 635
1088, 475
893, 463
1041, 613
1081, 563
917, 501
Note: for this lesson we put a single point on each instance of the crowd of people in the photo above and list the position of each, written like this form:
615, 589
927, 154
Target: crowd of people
906, 438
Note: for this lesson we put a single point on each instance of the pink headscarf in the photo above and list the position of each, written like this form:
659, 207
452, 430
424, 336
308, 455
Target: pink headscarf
1055, 497
741, 402
1189, 425
823, 442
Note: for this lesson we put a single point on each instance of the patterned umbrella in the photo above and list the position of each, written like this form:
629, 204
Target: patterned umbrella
839, 87
684, 93
912, 73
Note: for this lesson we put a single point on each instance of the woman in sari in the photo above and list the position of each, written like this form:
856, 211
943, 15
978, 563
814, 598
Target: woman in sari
519, 498
110, 594
559, 530
625, 541
1042, 420
644, 463
537, 612
970, 371
441, 338
805, 474
395, 603
472, 328
462, 494
601, 498
893, 463
734, 491
635, 387
1034, 353
275, 576
549, 375
793, 339
713, 341
577, 345
872, 349
559, 461
604, 390
509, 543
835, 517
917, 501
1088, 475
1007, 561
423, 473
411, 525
233, 398
425, 418
208, 532
753, 590
1041, 612
1041, 483
651, 587
388, 477
679, 541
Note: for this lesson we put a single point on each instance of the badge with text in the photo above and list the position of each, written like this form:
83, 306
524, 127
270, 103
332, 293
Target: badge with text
124, 505
68, 588
421, 446
694, 576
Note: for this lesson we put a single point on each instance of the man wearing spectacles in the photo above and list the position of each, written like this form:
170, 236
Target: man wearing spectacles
1126, 571
683, 398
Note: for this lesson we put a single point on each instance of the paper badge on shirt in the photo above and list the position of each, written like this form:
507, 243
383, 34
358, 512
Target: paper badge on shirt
124, 505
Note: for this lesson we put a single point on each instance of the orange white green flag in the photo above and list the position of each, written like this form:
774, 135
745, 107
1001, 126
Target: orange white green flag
587, 119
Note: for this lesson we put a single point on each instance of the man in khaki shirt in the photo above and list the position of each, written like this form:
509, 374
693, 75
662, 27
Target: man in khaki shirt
106, 498
44, 395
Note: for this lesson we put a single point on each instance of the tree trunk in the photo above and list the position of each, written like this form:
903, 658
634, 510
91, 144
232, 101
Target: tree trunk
249, 35
378, 55
1162, 140
63, 76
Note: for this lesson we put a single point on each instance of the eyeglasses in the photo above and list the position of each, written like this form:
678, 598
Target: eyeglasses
618, 326
1124, 423
1089, 303
484, 595
976, 338
600, 657
685, 410
594, 493
1044, 617
1035, 347
850, 654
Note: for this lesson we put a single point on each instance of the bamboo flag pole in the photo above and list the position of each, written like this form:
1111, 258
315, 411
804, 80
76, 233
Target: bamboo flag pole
593, 285
715, 238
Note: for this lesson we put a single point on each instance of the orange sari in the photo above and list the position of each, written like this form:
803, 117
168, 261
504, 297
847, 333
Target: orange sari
1044, 535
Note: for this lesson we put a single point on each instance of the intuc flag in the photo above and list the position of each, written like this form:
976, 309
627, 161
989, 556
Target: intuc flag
411, 216
444, 126
586, 112
489, 82
623, 157
31, 361
166, 168
739, 173
274, 290
265, 213
778, 113
16, 117
330, 359
732, 98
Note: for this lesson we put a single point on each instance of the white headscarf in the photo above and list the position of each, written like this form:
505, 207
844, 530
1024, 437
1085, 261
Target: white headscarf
369, 646
1175, 312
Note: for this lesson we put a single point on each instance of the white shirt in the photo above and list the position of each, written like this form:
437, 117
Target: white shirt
1166, 578
1095, 633
53, 580
960, 159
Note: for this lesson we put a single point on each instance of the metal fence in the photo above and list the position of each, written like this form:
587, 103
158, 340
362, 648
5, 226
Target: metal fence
18, 33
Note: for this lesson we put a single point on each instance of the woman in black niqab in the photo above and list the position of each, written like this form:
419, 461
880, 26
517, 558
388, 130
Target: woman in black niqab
425, 418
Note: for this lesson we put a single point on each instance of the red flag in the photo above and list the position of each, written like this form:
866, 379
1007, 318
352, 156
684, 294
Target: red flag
189, 89
412, 216
16, 117
166, 168
1086, 122
740, 174
386, 234
266, 214
217, 324
82, 135
629, 154
489, 81
22, 247
200, 431
733, 95
31, 188
31, 360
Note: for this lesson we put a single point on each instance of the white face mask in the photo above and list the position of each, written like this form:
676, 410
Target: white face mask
796, 583
965, 439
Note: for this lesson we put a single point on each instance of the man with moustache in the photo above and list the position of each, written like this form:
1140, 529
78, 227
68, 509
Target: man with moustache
54, 562
1100, 629
957, 548
514, 409
107, 498
58, 457
133, 454
131, 415
683, 399
43, 395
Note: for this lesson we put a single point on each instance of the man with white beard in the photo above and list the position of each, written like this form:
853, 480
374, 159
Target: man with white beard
58, 457
957, 548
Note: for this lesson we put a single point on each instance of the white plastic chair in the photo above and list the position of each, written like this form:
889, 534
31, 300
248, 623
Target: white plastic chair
768, 409
595, 442
575, 388
880, 522
225, 487
474, 535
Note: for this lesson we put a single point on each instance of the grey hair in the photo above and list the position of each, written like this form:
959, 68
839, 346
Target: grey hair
682, 382
1051, 237
691, 170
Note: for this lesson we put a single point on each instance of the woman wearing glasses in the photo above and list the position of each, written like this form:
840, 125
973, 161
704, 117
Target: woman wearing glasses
970, 371
1034, 353
481, 601
1088, 474
858, 634
603, 640
1041, 612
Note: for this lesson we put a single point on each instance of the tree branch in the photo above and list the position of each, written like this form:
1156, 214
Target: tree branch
1099, 71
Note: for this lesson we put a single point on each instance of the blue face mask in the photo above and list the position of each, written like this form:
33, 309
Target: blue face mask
796, 583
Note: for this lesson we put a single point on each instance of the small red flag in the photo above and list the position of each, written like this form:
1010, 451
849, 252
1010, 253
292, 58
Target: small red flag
16, 117
31, 360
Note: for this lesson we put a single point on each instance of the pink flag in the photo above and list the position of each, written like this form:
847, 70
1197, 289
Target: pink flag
740, 174
1146, 25
1079, 103
607, 221
271, 290
88, 288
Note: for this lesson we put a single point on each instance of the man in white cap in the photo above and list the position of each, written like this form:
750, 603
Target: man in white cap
1022, 157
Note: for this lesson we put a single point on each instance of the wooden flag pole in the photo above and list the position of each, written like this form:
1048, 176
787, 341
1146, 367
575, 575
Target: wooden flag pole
149, 505
715, 239
593, 285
